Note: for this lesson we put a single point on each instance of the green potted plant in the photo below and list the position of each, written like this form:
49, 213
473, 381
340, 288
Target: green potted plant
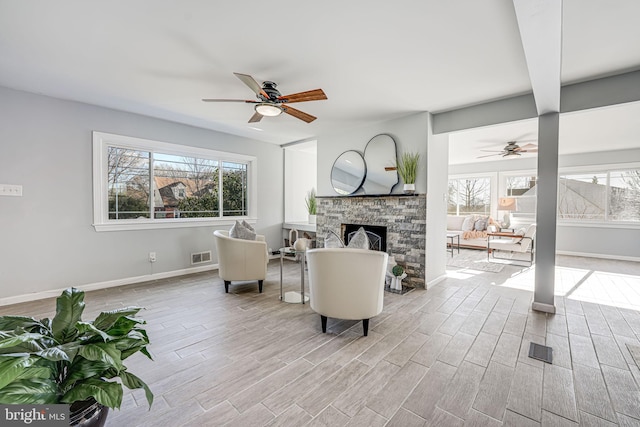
408, 169
398, 275
312, 206
67, 360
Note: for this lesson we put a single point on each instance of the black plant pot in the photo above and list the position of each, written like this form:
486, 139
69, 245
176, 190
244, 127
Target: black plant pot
88, 413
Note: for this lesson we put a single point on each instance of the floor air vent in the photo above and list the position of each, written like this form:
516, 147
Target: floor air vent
201, 257
540, 352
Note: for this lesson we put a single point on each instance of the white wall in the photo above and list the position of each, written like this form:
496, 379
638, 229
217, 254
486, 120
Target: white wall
617, 242
410, 134
437, 192
300, 176
48, 242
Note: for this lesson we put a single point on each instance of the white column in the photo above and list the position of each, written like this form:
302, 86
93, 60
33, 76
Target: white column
547, 196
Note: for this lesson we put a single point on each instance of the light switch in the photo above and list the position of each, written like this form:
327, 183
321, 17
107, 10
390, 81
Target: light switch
10, 190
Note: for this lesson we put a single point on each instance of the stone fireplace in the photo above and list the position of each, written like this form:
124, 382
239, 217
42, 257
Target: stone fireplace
404, 218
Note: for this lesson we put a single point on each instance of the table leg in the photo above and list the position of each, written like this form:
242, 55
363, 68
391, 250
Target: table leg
302, 260
281, 262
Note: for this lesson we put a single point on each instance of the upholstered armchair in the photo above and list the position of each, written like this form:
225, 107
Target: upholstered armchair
241, 260
346, 283
524, 244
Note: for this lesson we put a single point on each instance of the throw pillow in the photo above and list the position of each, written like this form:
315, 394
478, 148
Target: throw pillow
481, 224
359, 240
467, 224
247, 225
333, 241
239, 231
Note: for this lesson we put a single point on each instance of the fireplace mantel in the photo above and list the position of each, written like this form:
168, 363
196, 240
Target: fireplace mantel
404, 215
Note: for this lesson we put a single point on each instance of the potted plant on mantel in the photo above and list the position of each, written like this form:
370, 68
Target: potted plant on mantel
408, 169
312, 206
67, 360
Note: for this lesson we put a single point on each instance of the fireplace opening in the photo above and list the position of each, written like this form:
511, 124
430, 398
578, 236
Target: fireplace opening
377, 235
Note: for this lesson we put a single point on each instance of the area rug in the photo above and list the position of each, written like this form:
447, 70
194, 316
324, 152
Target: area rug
475, 260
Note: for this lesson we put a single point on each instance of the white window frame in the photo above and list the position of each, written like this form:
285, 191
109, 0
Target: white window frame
604, 168
493, 180
101, 221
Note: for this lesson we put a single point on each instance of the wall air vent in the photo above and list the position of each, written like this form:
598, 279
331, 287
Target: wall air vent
201, 257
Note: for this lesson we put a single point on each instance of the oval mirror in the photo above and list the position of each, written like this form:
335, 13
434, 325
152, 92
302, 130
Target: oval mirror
348, 172
380, 158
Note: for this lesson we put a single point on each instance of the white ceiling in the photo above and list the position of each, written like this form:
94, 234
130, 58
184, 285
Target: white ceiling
375, 59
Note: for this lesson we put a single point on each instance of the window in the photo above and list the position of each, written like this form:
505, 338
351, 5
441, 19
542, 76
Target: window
523, 189
469, 196
149, 184
600, 196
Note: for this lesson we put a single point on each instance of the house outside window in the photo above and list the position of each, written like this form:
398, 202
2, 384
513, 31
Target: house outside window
600, 196
150, 184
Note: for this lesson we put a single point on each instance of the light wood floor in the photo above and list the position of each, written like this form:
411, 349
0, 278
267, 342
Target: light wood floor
451, 356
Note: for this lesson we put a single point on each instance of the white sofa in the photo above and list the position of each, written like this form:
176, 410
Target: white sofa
240, 259
472, 239
347, 283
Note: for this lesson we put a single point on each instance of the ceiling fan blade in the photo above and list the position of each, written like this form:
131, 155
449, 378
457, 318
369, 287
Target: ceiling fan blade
298, 114
256, 117
489, 155
230, 100
252, 83
529, 146
492, 151
528, 151
310, 95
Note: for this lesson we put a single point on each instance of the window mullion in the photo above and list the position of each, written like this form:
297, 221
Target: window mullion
151, 187
220, 186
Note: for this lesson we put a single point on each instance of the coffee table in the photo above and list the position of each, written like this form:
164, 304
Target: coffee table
293, 297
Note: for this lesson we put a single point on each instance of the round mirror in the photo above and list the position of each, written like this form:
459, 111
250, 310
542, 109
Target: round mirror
348, 172
380, 157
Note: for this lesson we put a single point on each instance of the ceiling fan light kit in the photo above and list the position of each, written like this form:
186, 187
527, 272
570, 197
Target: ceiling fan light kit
268, 110
271, 103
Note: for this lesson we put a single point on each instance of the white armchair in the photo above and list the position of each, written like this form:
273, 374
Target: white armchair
240, 259
346, 283
524, 244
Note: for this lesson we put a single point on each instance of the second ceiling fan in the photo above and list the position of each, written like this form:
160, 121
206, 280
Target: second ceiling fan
271, 103
512, 149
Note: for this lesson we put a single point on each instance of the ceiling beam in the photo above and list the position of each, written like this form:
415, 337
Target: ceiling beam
540, 25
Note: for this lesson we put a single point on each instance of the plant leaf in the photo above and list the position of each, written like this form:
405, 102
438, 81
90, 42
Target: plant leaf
133, 382
82, 369
23, 343
30, 391
106, 319
104, 392
124, 325
11, 366
11, 323
69, 308
86, 328
104, 352
54, 354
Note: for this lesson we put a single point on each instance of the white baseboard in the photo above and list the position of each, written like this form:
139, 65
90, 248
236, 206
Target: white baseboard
104, 285
603, 256
435, 281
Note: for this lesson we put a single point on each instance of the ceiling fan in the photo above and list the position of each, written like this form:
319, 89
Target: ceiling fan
271, 103
512, 149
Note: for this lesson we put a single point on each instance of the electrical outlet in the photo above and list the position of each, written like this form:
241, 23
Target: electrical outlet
10, 190
152, 257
